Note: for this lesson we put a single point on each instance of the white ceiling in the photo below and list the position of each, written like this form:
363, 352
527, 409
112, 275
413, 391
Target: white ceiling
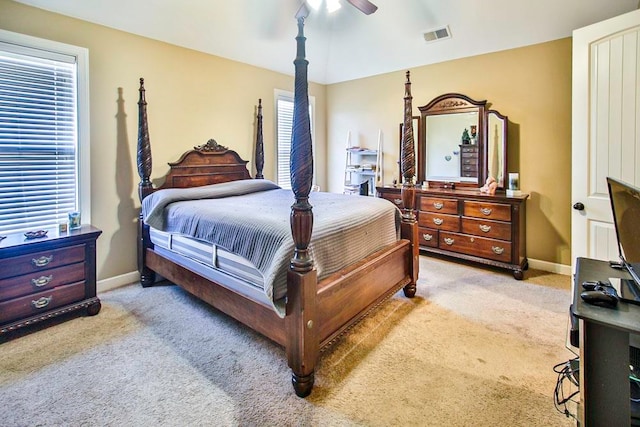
347, 44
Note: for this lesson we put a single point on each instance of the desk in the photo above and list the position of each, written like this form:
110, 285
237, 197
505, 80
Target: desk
604, 350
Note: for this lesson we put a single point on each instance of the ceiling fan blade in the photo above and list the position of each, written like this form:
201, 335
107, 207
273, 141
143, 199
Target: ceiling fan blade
365, 6
303, 11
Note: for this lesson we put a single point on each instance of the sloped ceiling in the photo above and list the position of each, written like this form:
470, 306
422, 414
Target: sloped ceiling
346, 44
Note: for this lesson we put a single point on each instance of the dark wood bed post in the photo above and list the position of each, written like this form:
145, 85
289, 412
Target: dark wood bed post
259, 143
408, 192
301, 317
147, 276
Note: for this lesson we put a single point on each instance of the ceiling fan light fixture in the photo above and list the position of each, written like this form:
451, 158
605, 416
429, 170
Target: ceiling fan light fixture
333, 5
315, 4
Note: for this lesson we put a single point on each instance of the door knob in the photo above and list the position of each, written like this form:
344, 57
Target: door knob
578, 206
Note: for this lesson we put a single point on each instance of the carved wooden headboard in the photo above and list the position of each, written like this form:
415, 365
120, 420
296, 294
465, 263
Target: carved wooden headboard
209, 163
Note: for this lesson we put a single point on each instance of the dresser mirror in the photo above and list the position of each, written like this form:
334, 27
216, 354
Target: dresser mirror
496, 146
454, 145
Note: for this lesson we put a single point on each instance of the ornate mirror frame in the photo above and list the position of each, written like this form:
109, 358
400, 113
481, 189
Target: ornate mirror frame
453, 103
497, 126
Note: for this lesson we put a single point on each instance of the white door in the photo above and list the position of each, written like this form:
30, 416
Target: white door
605, 128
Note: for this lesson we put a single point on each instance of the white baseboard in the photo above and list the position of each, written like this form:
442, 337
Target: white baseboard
117, 281
128, 278
550, 267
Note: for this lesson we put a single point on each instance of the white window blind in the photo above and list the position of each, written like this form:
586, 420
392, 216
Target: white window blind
284, 126
38, 138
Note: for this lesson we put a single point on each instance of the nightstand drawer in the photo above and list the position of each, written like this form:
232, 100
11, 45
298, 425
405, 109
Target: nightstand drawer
39, 261
41, 302
41, 280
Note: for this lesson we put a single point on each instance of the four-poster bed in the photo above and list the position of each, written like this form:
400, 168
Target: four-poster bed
315, 303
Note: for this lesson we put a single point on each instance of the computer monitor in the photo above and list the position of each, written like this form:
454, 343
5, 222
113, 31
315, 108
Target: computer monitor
625, 206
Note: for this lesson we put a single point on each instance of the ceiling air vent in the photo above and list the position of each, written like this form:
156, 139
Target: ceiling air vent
437, 34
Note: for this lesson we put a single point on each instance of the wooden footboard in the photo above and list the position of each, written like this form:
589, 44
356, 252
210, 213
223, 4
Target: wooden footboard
348, 295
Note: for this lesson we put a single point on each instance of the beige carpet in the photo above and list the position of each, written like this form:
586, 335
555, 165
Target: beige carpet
474, 348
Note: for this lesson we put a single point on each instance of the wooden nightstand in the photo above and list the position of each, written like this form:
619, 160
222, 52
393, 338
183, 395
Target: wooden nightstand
46, 277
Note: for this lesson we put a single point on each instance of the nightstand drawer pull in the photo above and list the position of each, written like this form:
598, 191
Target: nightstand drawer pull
42, 281
42, 302
497, 250
427, 237
485, 228
449, 241
438, 221
397, 201
485, 211
42, 261
438, 205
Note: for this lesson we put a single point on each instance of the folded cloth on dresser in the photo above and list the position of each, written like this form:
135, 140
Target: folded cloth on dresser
251, 218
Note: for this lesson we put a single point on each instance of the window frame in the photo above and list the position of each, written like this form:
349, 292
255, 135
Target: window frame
35, 46
280, 94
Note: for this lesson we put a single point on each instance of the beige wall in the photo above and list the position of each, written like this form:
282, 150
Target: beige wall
192, 97
531, 85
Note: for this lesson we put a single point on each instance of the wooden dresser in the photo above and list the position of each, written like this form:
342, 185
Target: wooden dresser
467, 224
46, 277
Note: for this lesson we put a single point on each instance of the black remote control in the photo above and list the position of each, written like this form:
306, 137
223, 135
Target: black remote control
602, 296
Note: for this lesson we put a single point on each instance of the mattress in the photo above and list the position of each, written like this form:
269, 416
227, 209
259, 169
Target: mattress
209, 255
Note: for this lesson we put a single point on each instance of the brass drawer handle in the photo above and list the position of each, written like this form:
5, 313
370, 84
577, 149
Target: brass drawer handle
42, 281
438, 205
42, 261
485, 211
449, 241
427, 237
497, 250
485, 228
42, 302
397, 201
438, 221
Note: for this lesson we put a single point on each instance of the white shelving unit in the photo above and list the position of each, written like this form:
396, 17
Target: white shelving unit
362, 165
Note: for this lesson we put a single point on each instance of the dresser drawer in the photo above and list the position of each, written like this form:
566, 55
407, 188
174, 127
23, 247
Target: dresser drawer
41, 302
494, 211
396, 199
469, 161
439, 221
469, 150
428, 237
479, 246
487, 228
41, 280
438, 204
39, 261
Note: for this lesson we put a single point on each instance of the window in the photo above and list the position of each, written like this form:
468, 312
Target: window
284, 126
44, 144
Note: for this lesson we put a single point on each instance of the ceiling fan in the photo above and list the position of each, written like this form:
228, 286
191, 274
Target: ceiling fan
365, 6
